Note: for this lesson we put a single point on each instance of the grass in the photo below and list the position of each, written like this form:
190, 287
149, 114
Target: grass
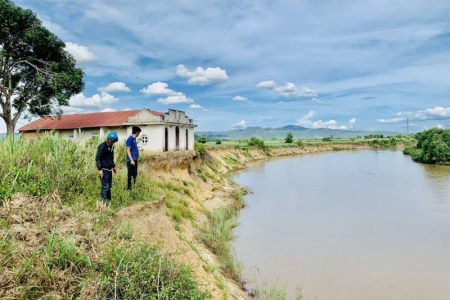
68, 264
219, 233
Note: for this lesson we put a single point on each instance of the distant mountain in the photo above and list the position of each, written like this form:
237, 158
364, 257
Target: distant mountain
3, 135
298, 132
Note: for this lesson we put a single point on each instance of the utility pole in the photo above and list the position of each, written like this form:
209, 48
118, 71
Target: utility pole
407, 126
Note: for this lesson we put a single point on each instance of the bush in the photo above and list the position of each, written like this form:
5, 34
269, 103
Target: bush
199, 147
202, 140
255, 142
289, 138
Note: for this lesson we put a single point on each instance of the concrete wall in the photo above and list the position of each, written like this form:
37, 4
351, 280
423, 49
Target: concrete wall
155, 137
82, 135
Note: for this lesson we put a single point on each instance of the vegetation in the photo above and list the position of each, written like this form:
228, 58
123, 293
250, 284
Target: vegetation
89, 262
59, 180
289, 138
433, 147
219, 233
37, 74
255, 142
199, 147
52, 164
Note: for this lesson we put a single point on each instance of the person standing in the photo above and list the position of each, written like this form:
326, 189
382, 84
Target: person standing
104, 160
132, 154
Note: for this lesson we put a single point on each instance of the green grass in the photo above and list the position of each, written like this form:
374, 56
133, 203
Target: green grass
52, 164
69, 265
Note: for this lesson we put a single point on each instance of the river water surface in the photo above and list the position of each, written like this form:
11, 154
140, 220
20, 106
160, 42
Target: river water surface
347, 225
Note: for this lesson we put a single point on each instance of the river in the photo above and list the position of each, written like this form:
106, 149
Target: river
348, 225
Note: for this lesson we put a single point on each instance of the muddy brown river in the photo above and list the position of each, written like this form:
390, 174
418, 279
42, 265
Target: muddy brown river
356, 225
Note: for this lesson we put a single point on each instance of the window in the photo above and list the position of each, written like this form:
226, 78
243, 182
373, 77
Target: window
144, 139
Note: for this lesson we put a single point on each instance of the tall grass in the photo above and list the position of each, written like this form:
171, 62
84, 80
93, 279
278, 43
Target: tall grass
52, 164
99, 265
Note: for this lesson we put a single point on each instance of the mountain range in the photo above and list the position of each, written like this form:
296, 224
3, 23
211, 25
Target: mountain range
298, 132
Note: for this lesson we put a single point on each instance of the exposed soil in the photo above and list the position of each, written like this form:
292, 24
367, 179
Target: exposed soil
31, 219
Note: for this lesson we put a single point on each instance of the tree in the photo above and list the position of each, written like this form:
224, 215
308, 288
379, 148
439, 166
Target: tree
289, 138
37, 74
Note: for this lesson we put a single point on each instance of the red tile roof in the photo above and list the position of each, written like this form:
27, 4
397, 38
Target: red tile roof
90, 120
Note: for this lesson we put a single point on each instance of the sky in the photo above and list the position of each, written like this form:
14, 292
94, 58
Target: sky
356, 65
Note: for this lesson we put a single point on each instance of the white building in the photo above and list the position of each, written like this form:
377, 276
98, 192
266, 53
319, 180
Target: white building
161, 132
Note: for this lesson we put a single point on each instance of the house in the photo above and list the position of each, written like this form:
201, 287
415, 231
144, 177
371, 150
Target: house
161, 132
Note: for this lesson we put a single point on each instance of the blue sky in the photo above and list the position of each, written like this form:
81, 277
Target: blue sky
361, 65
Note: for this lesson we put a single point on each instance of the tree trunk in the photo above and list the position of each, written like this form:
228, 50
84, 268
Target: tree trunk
9, 128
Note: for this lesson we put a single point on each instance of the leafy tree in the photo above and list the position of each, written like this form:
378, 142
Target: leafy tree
289, 138
37, 74
202, 140
433, 147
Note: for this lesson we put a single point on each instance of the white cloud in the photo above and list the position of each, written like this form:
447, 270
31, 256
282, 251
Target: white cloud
195, 106
393, 120
158, 88
437, 113
242, 124
201, 76
115, 87
306, 122
317, 101
352, 121
267, 84
80, 100
240, 98
108, 109
162, 88
289, 90
81, 53
175, 99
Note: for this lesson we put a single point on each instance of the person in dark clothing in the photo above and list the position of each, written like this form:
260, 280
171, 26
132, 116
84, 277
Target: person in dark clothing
132, 156
105, 165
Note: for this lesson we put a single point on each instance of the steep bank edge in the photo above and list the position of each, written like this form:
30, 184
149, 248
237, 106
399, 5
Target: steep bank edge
210, 188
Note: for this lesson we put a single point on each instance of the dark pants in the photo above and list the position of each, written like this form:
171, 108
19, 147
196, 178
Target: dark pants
132, 173
106, 185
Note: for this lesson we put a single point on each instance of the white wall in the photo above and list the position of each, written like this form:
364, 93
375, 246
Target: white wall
155, 136
82, 135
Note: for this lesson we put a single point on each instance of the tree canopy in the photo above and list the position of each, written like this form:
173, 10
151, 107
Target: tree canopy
37, 75
433, 147
289, 138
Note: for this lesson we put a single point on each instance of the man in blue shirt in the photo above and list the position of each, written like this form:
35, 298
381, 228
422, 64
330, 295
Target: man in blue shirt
132, 155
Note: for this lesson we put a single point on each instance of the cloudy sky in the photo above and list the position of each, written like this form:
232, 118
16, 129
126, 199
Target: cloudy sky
366, 65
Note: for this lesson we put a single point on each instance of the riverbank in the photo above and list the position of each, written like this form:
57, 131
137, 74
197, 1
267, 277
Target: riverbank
54, 243
212, 190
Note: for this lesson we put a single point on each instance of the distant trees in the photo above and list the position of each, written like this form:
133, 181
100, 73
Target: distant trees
255, 142
202, 140
37, 74
289, 138
433, 147
374, 136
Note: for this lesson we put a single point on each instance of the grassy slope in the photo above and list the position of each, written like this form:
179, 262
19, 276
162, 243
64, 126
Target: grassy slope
51, 228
